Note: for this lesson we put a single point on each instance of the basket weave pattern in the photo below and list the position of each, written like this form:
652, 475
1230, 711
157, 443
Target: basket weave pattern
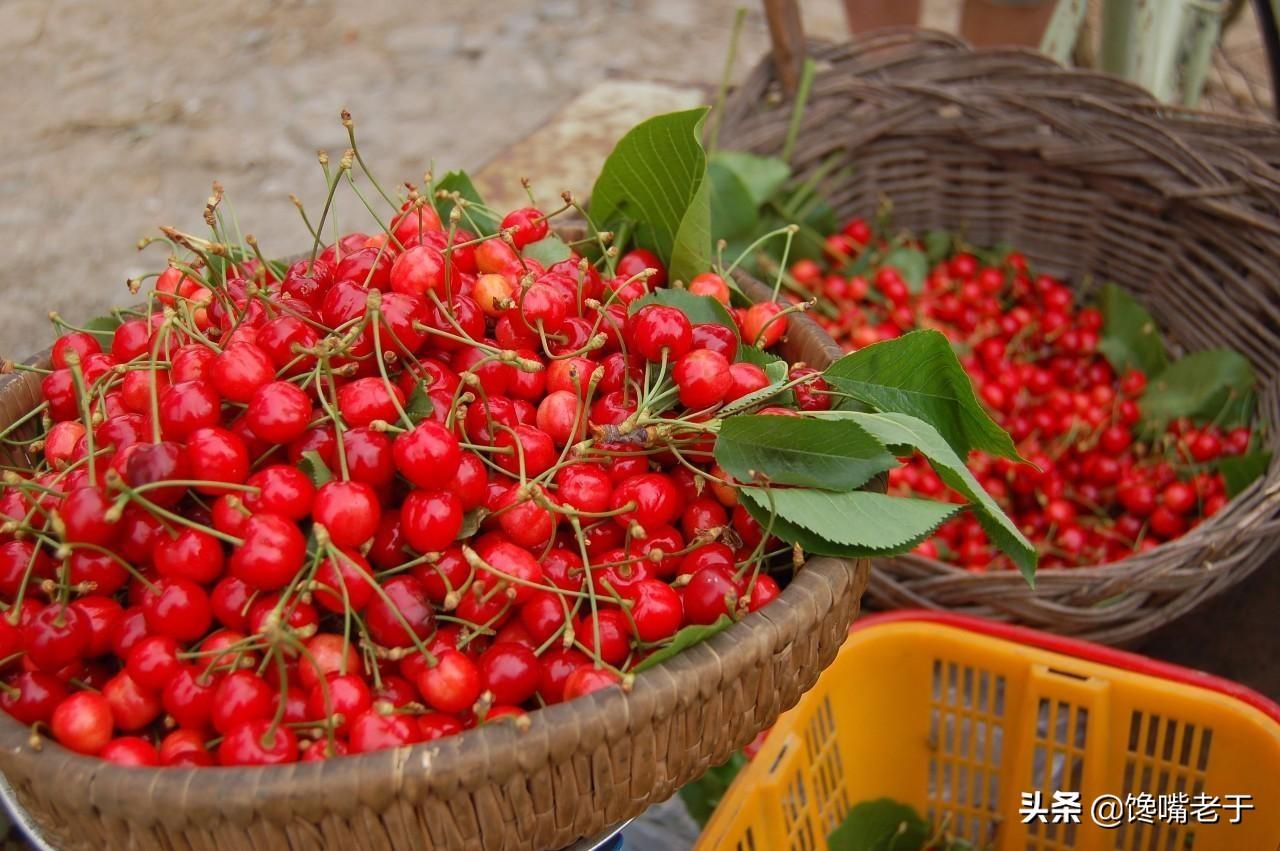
1094, 181
578, 768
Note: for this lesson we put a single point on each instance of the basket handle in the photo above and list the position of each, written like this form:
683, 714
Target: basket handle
786, 32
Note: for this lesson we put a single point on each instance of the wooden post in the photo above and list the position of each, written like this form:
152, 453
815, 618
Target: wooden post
787, 34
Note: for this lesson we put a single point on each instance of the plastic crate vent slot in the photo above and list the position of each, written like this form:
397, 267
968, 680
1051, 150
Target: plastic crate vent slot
966, 740
1163, 756
826, 771
1057, 764
747, 842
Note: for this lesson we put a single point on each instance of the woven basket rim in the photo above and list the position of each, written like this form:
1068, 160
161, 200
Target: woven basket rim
463, 761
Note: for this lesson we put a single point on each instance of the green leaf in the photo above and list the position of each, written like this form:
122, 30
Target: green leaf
1130, 337
471, 521
702, 796
774, 367
548, 250
833, 454
848, 525
880, 825
683, 640
315, 468
103, 328
919, 374
902, 433
1201, 386
762, 177
419, 405
937, 245
911, 263
474, 215
656, 176
1240, 471
700, 309
733, 211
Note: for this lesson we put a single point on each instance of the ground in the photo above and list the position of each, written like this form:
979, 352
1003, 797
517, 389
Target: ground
118, 115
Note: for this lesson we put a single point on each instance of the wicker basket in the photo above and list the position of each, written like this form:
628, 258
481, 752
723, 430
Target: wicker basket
578, 768
1091, 179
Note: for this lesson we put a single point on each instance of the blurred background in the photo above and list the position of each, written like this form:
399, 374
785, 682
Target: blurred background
118, 115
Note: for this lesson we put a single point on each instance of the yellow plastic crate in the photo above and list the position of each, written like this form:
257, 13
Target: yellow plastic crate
960, 717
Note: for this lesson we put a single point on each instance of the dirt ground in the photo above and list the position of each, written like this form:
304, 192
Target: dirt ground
118, 115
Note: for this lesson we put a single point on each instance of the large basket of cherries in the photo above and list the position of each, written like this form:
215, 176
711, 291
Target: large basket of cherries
461, 531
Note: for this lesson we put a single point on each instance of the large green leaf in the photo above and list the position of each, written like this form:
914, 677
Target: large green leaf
880, 825
1130, 337
918, 374
902, 433
656, 178
733, 211
848, 525
683, 639
701, 309
1240, 471
473, 217
761, 176
834, 454
1204, 385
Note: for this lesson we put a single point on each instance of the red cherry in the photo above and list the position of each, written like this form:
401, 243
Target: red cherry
85, 519
83, 722
32, 696
447, 575
258, 743
763, 325
657, 611
132, 706
702, 378
153, 661
80, 342
608, 633
745, 378
184, 748
131, 750
650, 499
178, 608
437, 725
367, 399
56, 636
345, 582
190, 554
282, 490
187, 406
656, 331
400, 613
272, 552
158, 462
510, 672
505, 561
588, 679
431, 520
527, 225
428, 455
346, 695
639, 259
188, 697
710, 594
763, 592
373, 731
326, 654
1179, 498
217, 455
452, 685
348, 510
278, 412
239, 370
712, 285
242, 696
